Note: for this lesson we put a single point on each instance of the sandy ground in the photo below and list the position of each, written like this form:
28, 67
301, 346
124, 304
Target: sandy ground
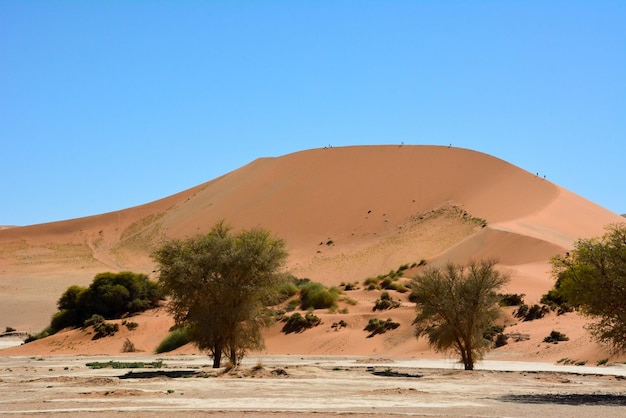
307, 386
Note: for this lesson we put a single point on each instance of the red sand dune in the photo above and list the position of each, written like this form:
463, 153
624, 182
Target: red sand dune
380, 206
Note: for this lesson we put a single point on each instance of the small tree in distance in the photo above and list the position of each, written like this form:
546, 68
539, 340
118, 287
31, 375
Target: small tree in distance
219, 284
456, 305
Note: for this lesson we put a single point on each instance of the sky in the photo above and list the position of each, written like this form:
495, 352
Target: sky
106, 105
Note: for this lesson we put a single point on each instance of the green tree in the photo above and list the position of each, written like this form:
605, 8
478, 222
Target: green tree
592, 278
220, 284
456, 305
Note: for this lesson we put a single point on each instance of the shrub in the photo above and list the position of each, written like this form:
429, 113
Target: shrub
512, 299
493, 331
350, 286
557, 302
128, 347
376, 326
371, 283
175, 339
292, 304
130, 325
339, 325
602, 362
501, 340
283, 291
555, 337
105, 329
317, 296
385, 302
298, 323
110, 295
527, 313
10, 329
101, 327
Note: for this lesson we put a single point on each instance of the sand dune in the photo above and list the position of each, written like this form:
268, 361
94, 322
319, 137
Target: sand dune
345, 214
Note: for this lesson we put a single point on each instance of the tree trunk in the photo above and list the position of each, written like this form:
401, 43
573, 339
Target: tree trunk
217, 359
233, 357
469, 360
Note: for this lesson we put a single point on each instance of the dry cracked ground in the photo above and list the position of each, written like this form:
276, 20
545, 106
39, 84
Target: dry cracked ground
303, 386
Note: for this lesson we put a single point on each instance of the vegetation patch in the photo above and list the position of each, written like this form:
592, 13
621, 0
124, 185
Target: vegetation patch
175, 339
511, 299
297, 323
530, 313
385, 302
101, 327
376, 326
125, 365
555, 337
317, 296
110, 296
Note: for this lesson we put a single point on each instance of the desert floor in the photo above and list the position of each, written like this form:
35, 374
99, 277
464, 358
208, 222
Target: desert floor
306, 386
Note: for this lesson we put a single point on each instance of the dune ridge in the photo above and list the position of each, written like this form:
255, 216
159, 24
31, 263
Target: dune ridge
346, 213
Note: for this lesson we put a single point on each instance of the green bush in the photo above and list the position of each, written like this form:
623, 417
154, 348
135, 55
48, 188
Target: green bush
385, 302
298, 323
317, 296
110, 295
371, 283
101, 327
175, 339
283, 291
292, 305
130, 325
376, 326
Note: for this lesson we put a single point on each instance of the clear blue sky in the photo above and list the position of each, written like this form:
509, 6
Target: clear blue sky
110, 104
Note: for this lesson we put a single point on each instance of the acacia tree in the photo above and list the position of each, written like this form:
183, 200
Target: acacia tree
592, 278
219, 284
456, 305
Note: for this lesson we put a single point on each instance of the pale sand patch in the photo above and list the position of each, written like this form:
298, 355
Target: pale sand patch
305, 386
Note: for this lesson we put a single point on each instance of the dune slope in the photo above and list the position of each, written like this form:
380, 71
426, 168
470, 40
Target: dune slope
345, 214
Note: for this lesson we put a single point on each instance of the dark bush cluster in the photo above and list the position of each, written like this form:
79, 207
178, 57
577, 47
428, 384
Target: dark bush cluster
555, 337
377, 326
110, 295
298, 323
101, 327
557, 302
512, 299
530, 313
338, 325
385, 302
495, 334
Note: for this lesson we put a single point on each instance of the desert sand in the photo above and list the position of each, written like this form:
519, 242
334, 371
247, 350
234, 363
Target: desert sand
305, 386
346, 214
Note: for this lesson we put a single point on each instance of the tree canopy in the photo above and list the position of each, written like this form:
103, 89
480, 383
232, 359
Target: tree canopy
219, 284
456, 306
592, 278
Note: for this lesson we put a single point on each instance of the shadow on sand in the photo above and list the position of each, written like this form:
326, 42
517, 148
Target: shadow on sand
597, 399
172, 374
